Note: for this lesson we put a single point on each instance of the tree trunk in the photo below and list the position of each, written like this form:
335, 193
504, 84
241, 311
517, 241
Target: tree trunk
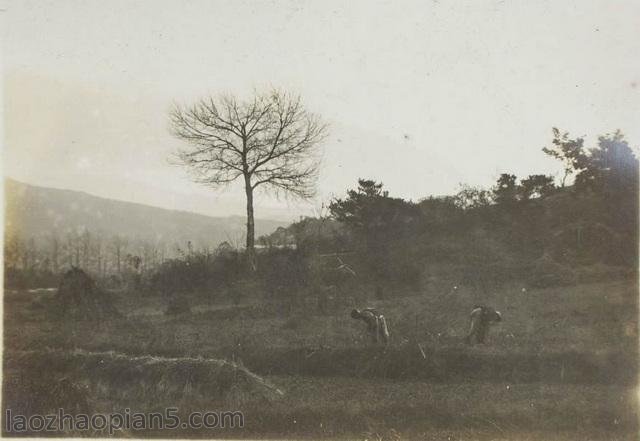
564, 178
54, 256
118, 258
251, 251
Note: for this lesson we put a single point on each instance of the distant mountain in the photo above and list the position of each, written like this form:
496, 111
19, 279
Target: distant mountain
32, 211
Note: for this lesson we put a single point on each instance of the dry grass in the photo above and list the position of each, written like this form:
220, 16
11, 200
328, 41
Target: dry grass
561, 365
84, 382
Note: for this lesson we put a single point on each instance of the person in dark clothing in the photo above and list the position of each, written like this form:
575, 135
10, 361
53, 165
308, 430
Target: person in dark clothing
481, 318
376, 324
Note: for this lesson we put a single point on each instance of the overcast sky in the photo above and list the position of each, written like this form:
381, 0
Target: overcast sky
420, 95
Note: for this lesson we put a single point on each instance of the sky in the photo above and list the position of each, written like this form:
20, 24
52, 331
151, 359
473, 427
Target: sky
421, 95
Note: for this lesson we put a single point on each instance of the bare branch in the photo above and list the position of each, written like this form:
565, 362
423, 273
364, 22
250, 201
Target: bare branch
269, 140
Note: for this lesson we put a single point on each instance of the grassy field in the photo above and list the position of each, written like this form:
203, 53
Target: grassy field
562, 365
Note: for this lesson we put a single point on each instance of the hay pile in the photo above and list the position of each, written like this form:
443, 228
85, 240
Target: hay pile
79, 296
129, 379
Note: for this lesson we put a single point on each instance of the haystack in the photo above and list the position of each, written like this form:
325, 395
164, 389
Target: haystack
140, 378
79, 296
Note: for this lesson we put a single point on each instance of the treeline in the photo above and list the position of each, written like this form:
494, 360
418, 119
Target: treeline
530, 229
38, 261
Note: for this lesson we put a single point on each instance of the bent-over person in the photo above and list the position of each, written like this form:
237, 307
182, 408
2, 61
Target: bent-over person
481, 318
376, 324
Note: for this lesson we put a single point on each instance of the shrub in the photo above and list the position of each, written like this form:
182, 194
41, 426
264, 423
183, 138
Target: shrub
283, 273
79, 296
196, 272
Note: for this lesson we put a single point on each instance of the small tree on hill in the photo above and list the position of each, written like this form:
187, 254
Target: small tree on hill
469, 197
569, 151
506, 190
379, 223
606, 190
610, 168
535, 186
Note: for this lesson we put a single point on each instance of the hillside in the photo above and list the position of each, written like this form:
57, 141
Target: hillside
32, 211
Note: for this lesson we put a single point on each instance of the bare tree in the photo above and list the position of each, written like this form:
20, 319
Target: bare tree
269, 141
55, 252
85, 239
118, 244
